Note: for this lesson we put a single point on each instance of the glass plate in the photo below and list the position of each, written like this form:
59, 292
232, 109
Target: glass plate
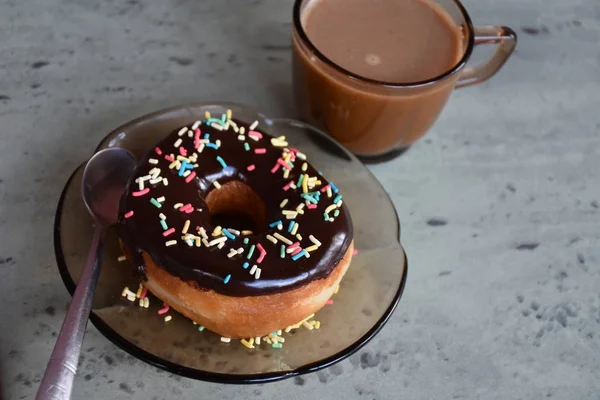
368, 294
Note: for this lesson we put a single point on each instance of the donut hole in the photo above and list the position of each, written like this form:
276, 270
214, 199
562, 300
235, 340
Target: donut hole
236, 205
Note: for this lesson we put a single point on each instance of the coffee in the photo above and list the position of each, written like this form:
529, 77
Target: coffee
396, 41
401, 41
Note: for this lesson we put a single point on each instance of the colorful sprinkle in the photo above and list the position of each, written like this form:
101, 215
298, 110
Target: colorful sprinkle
354, 252
222, 162
163, 223
158, 151
253, 269
140, 193
253, 126
217, 184
190, 177
261, 150
225, 339
337, 198
282, 238
227, 278
262, 255
246, 146
164, 310
128, 214
168, 232
271, 239
297, 256
121, 258
212, 146
245, 265
168, 318
251, 251
277, 345
282, 251
228, 234
274, 224
251, 167
155, 203
200, 328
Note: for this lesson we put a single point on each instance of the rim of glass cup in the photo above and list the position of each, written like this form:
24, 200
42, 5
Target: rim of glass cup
299, 30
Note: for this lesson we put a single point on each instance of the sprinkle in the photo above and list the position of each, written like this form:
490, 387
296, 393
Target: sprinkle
282, 238
225, 339
246, 343
314, 240
337, 198
164, 310
128, 214
217, 241
294, 250
227, 278
163, 224
336, 213
165, 182
304, 166
263, 253
253, 126
279, 141
277, 345
140, 193
155, 203
168, 318
168, 232
286, 174
292, 215
283, 203
289, 212
245, 265
291, 226
252, 133
282, 251
217, 184
329, 302
301, 179
169, 157
187, 173
217, 231
241, 137
275, 168
330, 208
200, 328
299, 208
253, 269
309, 198
229, 235
217, 126
289, 184
274, 224
324, 188
143, 292
311, 206
220, 245
292, 185
304, 185
178, 205
251, 251
312, 248
222, 162
282, 163
257, 340
337, 289
190, 177
299, 236
261, 150
271, 239
318, 323
307, 325
295, 229
354, 252
246, 146
186, 226
206, 114
257, 273
297, 256
178, 142
121, 258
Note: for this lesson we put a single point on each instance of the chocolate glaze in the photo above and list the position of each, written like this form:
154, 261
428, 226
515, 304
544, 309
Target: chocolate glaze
208, 266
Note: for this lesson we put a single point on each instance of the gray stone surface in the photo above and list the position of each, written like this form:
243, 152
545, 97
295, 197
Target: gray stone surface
502, 300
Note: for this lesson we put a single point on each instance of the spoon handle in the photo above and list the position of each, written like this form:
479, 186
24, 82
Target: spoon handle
62, 367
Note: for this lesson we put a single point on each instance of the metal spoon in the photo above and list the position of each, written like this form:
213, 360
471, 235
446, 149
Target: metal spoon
104, 180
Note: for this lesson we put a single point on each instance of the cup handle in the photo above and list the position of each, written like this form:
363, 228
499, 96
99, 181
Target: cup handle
505, 39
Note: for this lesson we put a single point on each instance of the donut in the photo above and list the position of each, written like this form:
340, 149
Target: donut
234, 229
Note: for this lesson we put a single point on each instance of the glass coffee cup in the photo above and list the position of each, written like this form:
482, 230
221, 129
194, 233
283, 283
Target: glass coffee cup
378, 119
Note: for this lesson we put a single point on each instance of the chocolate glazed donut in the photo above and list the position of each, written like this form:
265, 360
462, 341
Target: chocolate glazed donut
234, 229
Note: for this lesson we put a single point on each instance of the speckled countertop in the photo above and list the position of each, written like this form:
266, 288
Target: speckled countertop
500, 204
